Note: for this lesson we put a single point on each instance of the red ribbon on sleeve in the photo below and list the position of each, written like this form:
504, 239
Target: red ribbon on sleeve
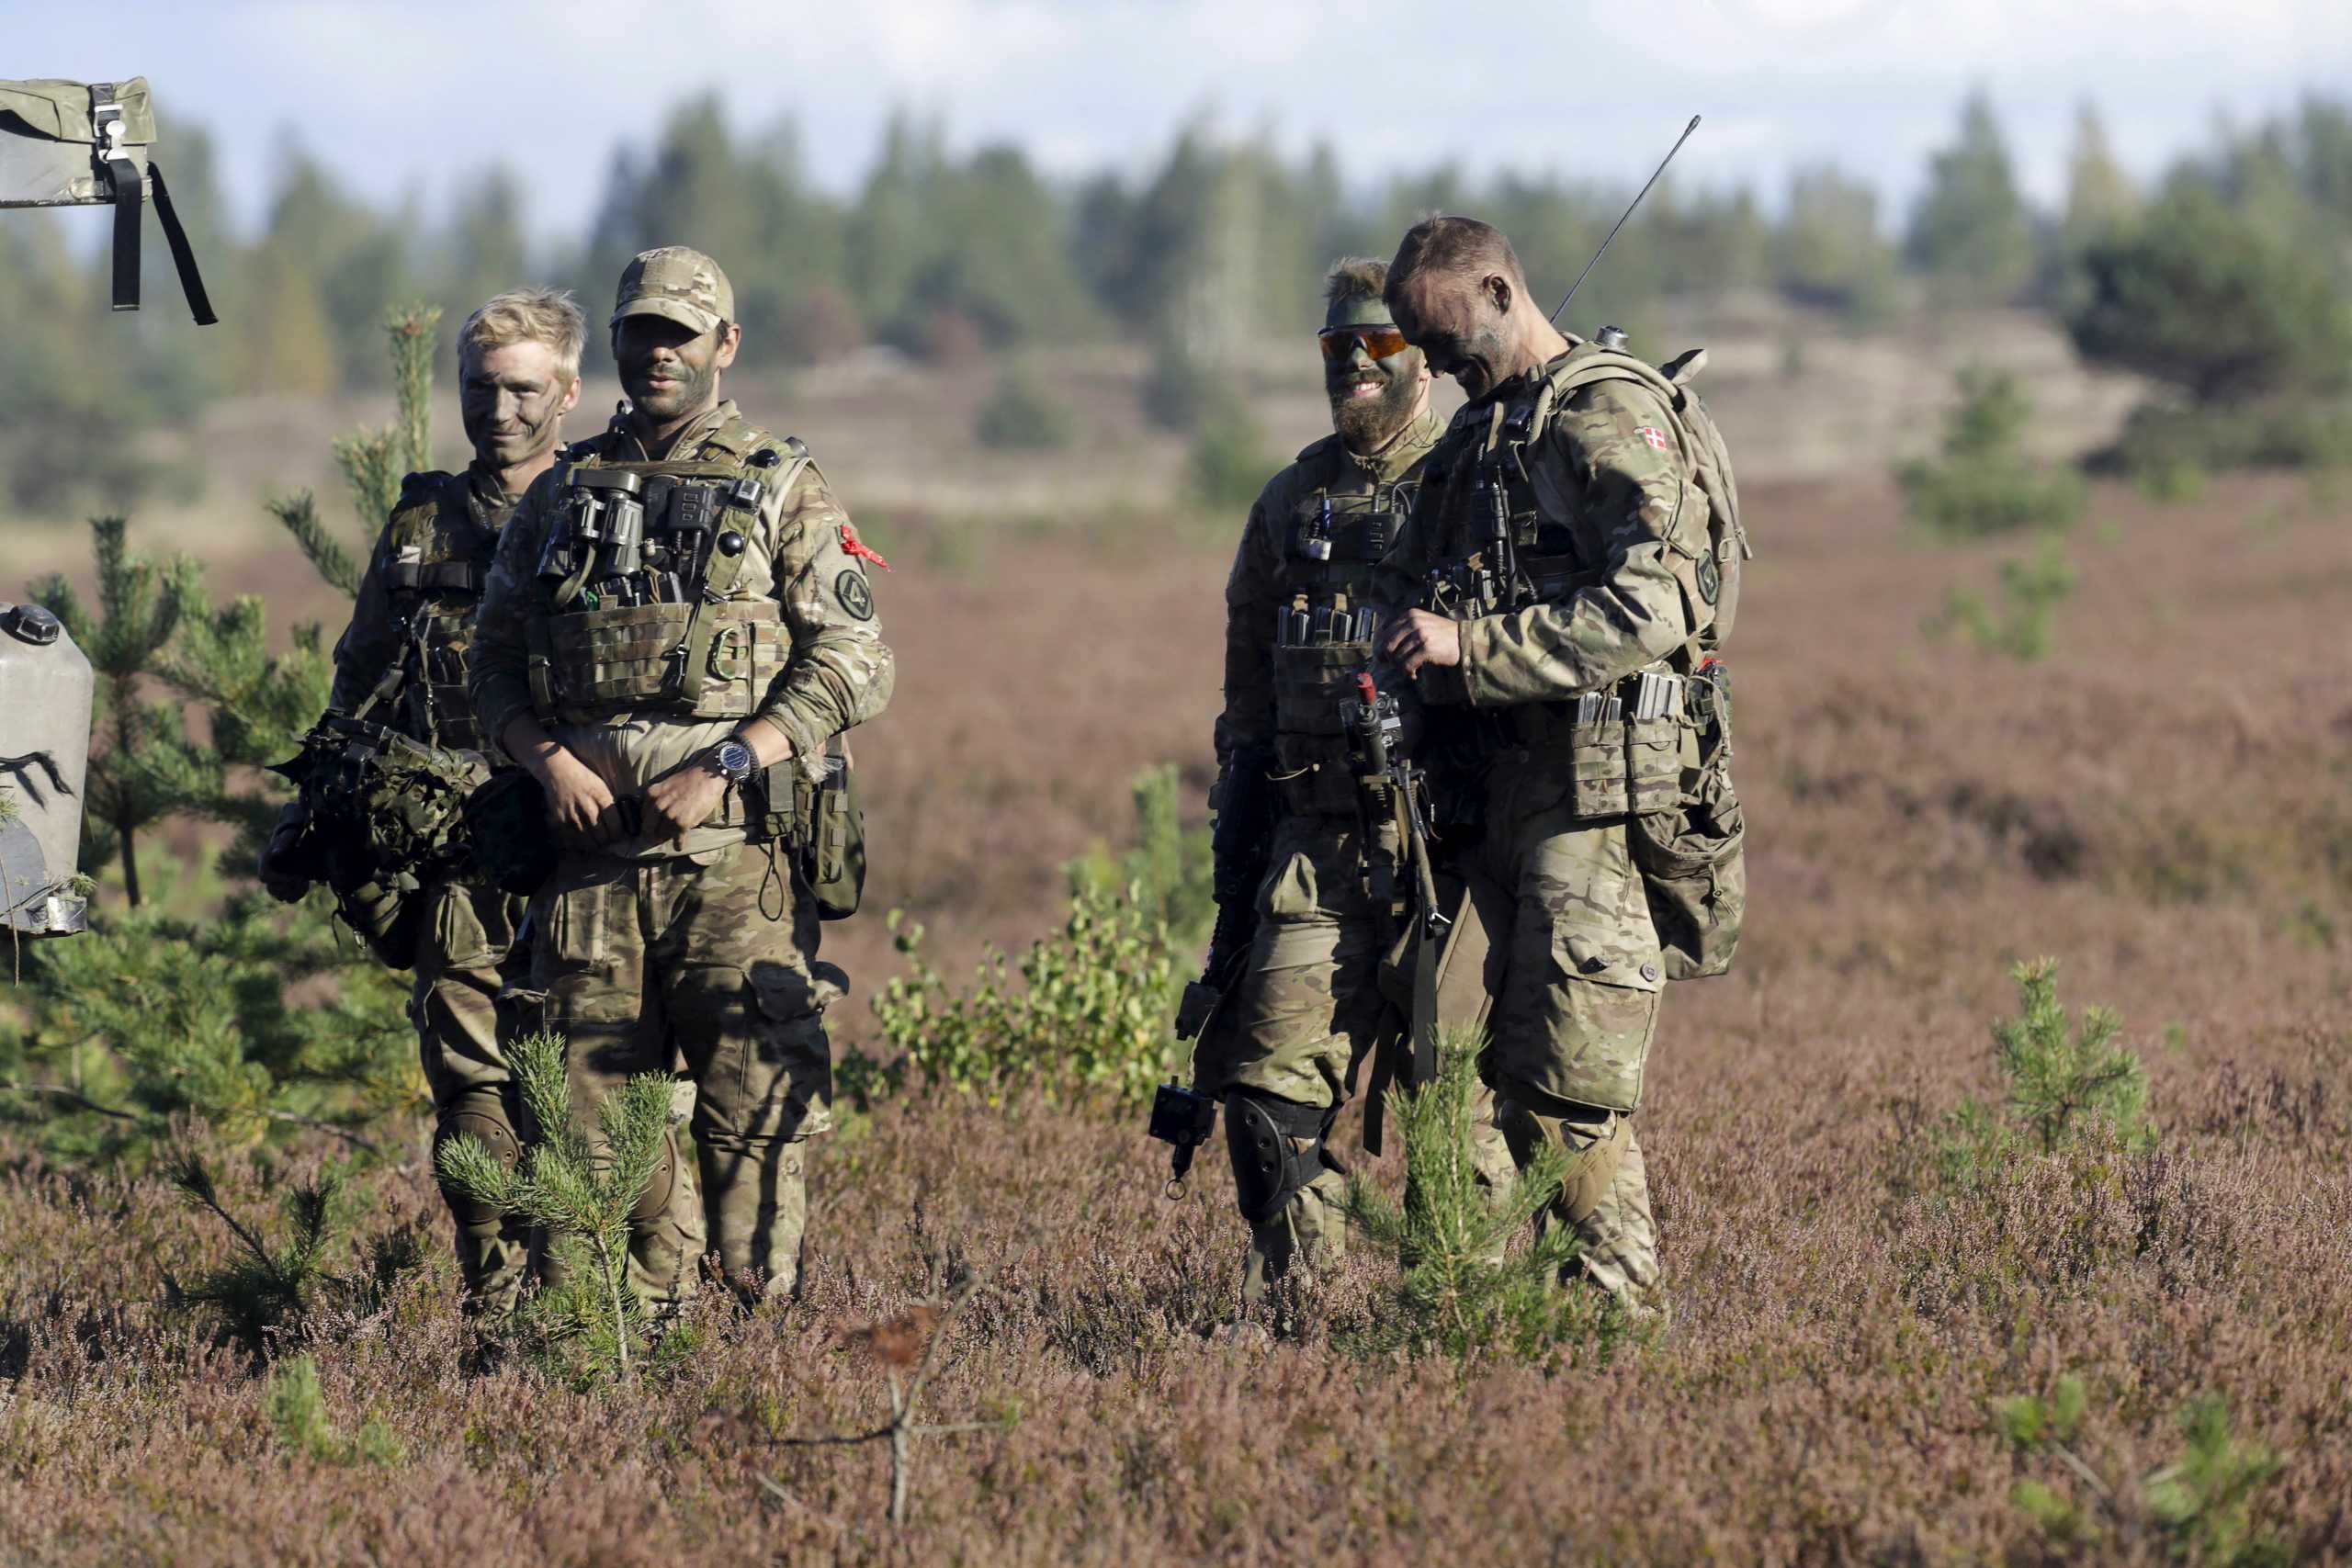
860, 549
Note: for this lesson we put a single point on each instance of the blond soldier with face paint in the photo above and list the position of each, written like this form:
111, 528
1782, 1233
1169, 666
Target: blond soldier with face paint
1562, 593
518, 369
1300, 612
678, 624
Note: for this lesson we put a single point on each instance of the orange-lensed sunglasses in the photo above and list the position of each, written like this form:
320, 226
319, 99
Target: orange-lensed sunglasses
1340, 343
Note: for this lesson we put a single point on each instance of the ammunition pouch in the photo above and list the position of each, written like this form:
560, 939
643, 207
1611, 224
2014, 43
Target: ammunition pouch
820, 823
594, 664
1627, 750
1692, 855
1261, 1136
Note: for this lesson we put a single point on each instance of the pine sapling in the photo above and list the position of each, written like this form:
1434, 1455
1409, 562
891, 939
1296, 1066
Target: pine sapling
267, 1292
2065, 1078
580, 1197
1465, 1291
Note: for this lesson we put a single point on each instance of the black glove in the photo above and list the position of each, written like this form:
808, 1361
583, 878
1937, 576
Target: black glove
278, 877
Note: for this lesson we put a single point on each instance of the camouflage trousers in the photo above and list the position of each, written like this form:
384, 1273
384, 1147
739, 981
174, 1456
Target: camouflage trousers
1572, 1024
1310, 1008
641, 962
461, 964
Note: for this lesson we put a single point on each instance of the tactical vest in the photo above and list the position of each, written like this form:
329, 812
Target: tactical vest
1332, 540
646, 597
1628, 750
438, 543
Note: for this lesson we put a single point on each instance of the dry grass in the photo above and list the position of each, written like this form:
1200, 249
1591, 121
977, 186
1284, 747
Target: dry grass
2166, 804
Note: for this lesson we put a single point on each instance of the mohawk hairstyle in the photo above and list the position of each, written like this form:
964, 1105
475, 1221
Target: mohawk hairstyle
1449, 245
1355, 277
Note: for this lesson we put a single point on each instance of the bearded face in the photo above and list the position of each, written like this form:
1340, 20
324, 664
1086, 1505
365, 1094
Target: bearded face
1374, 379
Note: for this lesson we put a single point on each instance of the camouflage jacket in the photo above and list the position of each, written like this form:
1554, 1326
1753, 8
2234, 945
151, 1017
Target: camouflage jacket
416, 605
1614, 527
1312, 546
803, 555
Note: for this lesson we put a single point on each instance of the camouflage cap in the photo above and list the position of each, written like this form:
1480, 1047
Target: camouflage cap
676, 284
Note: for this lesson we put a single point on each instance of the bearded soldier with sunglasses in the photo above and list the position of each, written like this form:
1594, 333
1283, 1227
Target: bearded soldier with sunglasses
1299, 622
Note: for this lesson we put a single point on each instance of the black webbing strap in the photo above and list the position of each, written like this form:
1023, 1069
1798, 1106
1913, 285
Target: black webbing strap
200, 304
121, 171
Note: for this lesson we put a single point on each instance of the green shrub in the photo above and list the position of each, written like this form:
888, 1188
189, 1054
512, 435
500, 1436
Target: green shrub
2200, 1506
2032, 590
2067, 1081
1983, 483
152, 1016
1463, 1291
1169, 862
1086, 1008
265, 1294
1023, 417
2198, 296
580, 1198
2167, 448
297, 1408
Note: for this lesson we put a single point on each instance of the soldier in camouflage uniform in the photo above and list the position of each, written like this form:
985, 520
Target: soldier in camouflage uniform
519, 375
1558, 690
645, 699
1299, 618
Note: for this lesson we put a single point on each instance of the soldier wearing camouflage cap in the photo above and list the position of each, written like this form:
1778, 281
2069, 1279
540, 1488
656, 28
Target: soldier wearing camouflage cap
677, 628
1565, 596
518, 366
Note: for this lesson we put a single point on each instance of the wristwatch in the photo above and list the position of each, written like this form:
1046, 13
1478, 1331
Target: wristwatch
732, 760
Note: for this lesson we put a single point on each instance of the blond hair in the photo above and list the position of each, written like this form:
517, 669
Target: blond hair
530, 315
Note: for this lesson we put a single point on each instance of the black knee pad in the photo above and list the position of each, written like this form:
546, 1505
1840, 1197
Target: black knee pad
482, 1115
1268, 1167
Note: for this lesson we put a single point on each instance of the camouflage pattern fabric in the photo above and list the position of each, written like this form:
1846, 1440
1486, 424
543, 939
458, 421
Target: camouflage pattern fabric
1609, 490
1307, 1004
1618, 527
414, 604
801, 553
639, 963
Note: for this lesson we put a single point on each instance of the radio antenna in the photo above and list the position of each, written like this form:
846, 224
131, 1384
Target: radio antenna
1621, 222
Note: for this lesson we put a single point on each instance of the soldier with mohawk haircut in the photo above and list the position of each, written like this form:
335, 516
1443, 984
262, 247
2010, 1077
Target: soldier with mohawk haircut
1290, 839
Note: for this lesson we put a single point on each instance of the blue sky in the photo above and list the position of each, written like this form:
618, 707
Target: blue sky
408, 98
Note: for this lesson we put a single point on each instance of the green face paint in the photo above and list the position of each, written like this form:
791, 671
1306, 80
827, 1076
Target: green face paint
1373, 393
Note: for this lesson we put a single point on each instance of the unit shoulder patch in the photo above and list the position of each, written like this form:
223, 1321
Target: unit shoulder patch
850, 587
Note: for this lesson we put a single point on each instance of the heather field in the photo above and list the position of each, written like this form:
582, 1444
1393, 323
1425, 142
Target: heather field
2163, 802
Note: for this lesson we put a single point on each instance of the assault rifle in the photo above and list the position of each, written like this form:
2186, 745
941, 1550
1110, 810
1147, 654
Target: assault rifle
1394, 793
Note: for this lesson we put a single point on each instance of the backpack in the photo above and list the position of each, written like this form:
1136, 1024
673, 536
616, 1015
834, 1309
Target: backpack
87, 144
1727, 541
1693, 857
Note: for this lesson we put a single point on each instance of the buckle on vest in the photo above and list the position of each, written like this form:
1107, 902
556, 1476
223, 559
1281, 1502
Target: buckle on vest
746, 492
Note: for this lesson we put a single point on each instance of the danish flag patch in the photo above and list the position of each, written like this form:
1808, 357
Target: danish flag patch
1655, 437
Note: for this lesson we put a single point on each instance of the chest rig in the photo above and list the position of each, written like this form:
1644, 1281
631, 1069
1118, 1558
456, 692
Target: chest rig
1325, 618
651, 586
439, 540
1623, 749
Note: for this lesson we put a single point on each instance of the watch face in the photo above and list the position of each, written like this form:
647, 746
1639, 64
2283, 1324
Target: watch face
734, 759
